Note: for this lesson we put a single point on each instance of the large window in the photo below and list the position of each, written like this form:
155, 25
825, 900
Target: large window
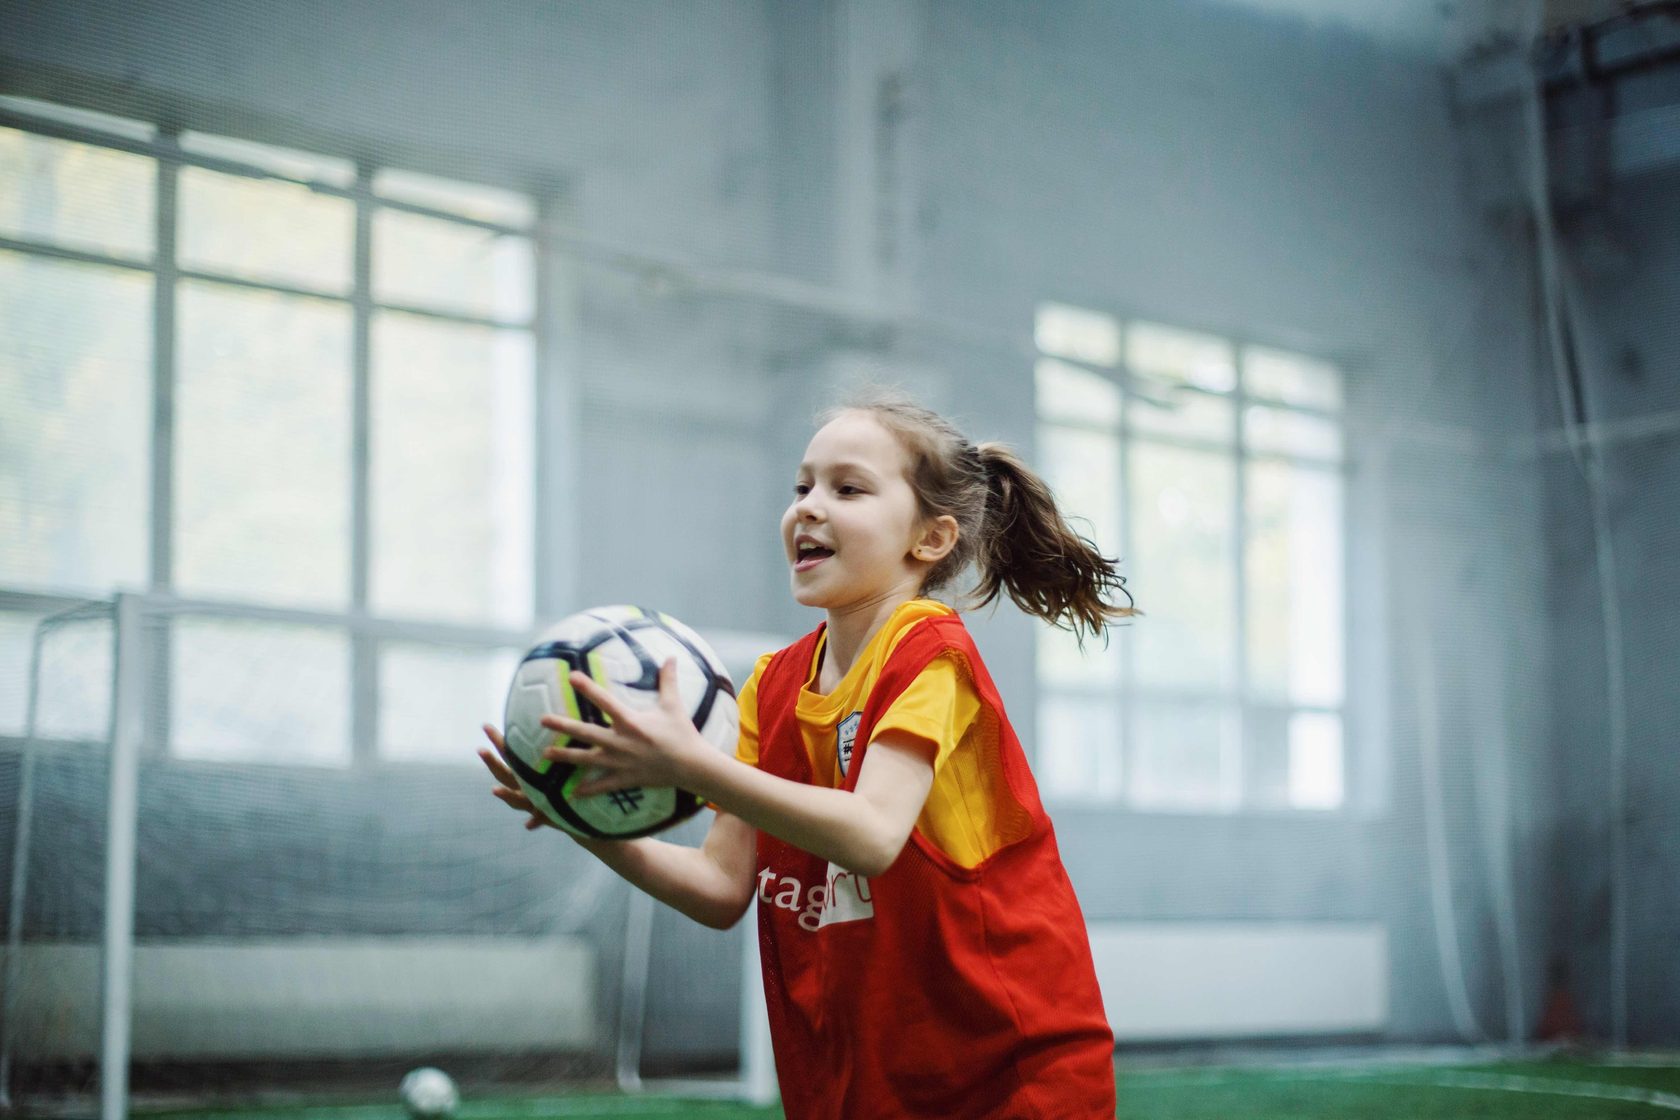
297, 386
1213, 468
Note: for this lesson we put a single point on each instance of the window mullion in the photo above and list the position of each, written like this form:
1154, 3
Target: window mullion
1127, 690
1239, 537
558, 412
364, 648
158, 644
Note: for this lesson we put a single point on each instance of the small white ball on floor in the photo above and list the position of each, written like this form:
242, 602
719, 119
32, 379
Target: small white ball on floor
428, 1093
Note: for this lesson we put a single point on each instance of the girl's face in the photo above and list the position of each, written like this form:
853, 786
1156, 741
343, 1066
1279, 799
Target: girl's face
853, 522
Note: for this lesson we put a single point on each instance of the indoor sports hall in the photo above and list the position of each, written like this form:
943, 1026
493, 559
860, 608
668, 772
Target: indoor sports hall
348, 346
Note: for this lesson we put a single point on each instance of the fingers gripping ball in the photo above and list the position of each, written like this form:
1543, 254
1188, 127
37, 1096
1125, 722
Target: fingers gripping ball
622, 648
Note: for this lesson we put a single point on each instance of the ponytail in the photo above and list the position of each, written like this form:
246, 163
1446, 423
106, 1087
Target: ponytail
1008, 526
1028, 550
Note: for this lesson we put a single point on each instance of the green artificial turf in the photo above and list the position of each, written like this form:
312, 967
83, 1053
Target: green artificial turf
1530, 1090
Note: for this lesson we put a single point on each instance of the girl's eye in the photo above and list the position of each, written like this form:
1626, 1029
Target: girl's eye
802, 488
850, 490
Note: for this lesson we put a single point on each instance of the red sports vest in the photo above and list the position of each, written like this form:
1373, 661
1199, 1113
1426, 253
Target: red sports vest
932, 990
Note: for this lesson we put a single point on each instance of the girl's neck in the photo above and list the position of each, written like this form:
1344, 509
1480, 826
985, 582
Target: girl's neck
850, 629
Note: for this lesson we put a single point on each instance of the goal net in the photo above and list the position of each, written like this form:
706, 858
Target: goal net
196, 910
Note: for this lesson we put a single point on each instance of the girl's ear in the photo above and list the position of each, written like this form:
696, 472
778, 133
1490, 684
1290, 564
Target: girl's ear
938, 538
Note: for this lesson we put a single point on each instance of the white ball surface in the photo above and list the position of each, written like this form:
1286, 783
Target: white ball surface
428, 1093
622, 647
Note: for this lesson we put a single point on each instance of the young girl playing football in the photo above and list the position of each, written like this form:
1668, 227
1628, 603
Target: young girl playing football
923, 951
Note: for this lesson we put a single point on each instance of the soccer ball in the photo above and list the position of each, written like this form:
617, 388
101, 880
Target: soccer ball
623, 648
428, 1093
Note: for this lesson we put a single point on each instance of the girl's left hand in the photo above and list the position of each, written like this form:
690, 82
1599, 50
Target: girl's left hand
509, 790
650, 747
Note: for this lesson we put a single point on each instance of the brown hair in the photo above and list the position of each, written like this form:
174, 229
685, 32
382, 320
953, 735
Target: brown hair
1008, 524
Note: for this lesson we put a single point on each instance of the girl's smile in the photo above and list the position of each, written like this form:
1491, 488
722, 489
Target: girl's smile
808, 552
853, 521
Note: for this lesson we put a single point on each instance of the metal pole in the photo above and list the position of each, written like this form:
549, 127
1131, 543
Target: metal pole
632, 1003
122, 818
758, 1063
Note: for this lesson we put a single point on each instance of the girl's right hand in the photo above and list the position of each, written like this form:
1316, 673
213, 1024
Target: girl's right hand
509, 792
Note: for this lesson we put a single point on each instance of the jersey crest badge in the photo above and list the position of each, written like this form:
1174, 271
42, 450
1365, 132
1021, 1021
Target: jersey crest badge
845, 736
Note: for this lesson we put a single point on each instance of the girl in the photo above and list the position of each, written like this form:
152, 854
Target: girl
924, 955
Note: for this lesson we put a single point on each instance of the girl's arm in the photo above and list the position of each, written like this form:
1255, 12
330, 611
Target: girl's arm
713, 884
862, 831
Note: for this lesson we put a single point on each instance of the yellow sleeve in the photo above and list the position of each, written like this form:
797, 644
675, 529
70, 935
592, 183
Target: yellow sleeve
746, 746
970, 811
937, 708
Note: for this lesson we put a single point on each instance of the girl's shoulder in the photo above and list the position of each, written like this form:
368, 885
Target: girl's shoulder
940, 624
911, 616
800, 649
934, 645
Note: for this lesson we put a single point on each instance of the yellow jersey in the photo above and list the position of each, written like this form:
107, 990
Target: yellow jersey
940, 709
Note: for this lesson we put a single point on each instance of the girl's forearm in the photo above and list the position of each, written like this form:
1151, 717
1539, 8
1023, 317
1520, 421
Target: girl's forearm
685, 879
833, 824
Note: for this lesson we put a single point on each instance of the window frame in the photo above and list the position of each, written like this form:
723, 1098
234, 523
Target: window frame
1238, 703
364, 631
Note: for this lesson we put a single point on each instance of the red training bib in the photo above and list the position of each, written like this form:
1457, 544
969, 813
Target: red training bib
931, 990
